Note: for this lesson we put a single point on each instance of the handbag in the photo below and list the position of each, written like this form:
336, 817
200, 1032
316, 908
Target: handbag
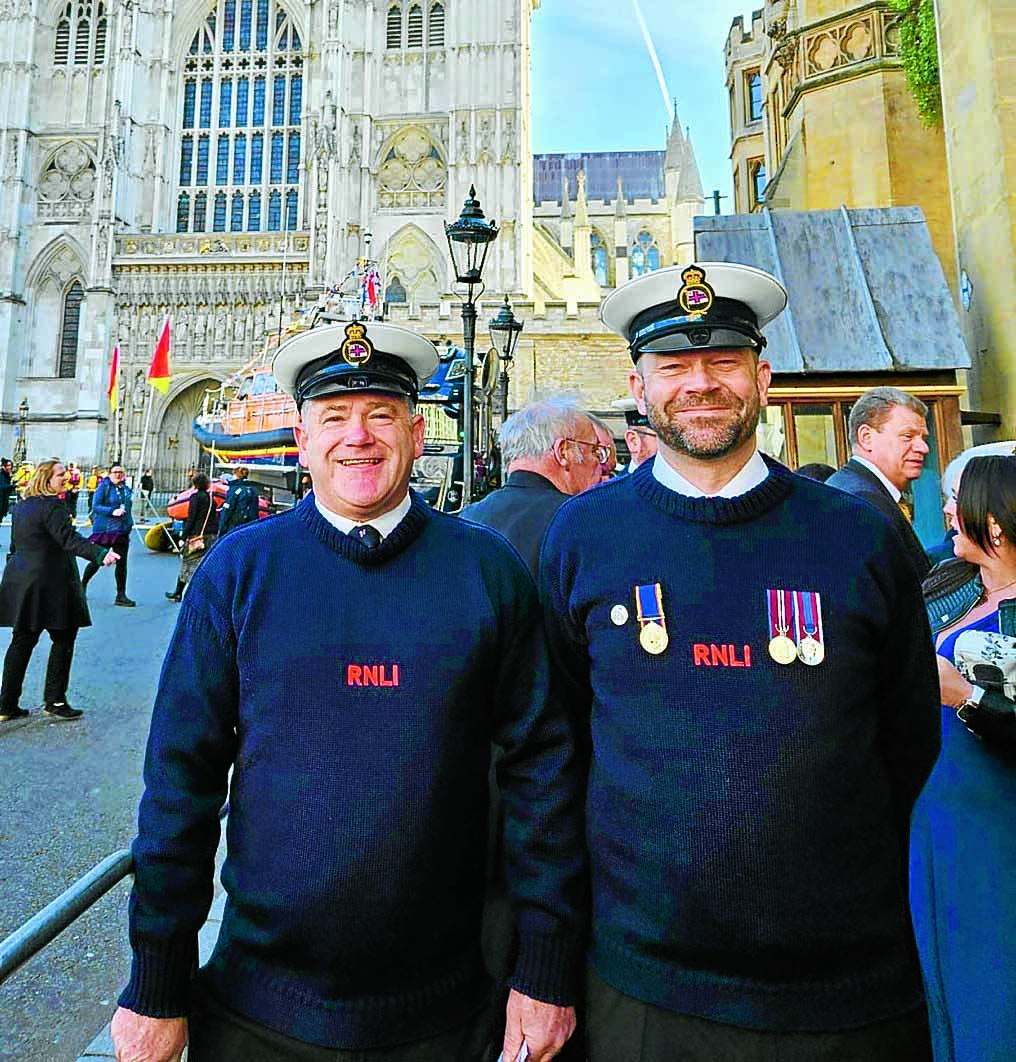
196, 543
986, 647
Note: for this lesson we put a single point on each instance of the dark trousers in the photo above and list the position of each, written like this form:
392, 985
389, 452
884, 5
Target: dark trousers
58, 670
218, 1034
621, 1029
120, 547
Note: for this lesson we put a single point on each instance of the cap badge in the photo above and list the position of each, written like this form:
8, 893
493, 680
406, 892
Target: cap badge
696, 296
357, 349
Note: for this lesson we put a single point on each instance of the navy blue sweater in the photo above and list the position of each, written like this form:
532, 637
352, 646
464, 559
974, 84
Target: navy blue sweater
747, 821
355, 694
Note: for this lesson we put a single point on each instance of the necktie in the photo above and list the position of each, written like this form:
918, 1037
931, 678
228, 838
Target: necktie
368, 535
905, 509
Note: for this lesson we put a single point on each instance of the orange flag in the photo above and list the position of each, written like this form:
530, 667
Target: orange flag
114, 378
159, 373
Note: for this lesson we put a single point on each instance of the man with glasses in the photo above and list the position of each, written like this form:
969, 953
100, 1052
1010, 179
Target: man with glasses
607, 454
551, 451
112, 520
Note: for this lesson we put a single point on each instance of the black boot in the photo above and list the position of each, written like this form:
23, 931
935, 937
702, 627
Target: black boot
63, 711
177, 594
123, 599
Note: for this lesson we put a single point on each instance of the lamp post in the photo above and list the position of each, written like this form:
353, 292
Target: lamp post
469, 239
505, 330
21, 446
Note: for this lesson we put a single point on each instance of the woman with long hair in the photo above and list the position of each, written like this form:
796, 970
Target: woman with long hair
41, 591
964, 826
202, 523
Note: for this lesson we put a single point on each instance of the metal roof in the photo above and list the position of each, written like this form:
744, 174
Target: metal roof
641, 174
866, 288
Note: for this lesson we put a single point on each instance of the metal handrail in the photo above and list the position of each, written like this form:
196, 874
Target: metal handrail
29, 939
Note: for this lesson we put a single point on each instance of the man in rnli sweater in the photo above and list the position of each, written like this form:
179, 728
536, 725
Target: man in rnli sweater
760, 699
352, 661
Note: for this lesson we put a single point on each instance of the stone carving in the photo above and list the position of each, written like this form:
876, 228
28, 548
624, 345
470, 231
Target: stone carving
354, 145
508, 138
462, 147
67, 184
412, 173
128, 24
13, 153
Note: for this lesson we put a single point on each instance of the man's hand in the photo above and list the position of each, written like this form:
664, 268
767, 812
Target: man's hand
140, 1039
544, 1026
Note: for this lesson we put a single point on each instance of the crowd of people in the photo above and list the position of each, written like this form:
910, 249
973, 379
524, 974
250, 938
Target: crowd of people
751, 795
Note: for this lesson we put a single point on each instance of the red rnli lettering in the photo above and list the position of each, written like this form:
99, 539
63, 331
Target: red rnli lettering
386, 675
720, 655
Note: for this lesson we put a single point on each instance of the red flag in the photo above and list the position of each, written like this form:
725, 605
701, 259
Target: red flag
159, 373
112, 391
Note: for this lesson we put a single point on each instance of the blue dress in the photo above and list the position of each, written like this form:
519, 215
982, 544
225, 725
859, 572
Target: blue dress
963, 890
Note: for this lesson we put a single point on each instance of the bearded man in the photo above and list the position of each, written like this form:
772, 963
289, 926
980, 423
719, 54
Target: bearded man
757, 679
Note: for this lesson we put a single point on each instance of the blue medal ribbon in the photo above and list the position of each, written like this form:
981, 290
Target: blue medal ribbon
649, 602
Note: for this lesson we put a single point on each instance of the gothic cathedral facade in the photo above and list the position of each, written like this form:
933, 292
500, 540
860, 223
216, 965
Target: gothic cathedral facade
220, 162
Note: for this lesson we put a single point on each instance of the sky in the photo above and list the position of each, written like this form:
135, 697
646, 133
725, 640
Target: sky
595, 87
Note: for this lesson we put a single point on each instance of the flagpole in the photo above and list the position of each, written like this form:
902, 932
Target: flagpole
282, 293
117, 422
144, 434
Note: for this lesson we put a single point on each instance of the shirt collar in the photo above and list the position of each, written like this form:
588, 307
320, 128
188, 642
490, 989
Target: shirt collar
751, 475
894, 491
385, 523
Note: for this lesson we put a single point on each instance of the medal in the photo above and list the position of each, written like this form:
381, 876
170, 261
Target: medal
782, 648
811, 649
619, 615
653, 638
653, 635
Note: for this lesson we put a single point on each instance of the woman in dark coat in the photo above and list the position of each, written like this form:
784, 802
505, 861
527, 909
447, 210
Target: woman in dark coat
202, 519
41, 591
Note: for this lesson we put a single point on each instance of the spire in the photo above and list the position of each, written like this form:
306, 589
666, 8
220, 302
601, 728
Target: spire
620, 204
675, 145
689, 185
565, 196
581, 205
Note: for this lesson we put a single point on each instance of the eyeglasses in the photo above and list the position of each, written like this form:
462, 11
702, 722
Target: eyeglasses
646, 433
116, 472
601, 452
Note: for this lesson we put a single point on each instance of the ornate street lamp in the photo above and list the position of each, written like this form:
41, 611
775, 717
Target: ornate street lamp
505, 330
469, 239
21, 446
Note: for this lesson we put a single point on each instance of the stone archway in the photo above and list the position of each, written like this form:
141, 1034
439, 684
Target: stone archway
175, 449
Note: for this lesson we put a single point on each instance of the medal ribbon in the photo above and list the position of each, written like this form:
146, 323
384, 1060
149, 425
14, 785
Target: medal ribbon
649, 604
809, 610
780, 622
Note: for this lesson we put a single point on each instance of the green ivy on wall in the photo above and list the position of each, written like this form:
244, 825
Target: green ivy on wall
919, 53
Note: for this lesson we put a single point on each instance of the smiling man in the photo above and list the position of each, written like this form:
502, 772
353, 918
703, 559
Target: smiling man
352, 661
758, 683
889, 440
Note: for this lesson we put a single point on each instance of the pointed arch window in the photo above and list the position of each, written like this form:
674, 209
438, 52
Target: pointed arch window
414, 27
435, 26
393, 27
81, 34
243, 89
600, 259
396, 291
645, 254
70, 326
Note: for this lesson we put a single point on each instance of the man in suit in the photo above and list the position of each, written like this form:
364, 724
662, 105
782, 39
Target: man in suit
889, 441
552, 450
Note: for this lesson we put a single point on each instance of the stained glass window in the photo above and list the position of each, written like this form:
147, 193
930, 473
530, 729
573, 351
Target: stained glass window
73, 299
600, 261
645, 254
241, 40
219, 220
239, 159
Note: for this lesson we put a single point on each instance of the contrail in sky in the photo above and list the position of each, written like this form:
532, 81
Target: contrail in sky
667, 103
